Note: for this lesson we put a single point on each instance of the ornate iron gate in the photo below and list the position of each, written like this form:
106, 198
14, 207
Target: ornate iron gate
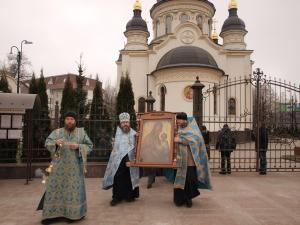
243, 103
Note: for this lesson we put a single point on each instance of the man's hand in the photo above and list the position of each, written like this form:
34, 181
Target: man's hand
60, 142
177, 139
74, 146
128, 164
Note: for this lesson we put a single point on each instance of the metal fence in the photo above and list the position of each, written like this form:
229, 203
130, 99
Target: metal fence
36, 130
243, 103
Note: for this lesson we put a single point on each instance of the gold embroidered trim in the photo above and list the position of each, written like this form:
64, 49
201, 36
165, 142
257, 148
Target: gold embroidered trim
64, 205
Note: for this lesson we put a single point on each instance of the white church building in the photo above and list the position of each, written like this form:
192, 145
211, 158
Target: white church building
185, 45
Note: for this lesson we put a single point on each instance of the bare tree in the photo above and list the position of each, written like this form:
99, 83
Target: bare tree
12, 66
269, 104
109, 97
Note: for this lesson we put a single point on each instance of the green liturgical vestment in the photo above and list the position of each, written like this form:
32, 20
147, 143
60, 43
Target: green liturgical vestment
65, 194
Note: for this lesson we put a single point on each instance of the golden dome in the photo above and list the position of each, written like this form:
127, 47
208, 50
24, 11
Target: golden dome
137, 5
232, 4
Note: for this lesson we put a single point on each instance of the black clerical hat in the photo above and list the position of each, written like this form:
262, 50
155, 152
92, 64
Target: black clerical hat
70, 114
181, 116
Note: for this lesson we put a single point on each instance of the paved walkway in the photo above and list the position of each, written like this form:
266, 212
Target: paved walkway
239, 199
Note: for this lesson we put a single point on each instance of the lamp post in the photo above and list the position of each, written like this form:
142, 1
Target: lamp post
226, 99
19, 60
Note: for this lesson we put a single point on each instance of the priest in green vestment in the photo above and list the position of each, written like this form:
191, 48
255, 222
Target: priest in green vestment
65, 195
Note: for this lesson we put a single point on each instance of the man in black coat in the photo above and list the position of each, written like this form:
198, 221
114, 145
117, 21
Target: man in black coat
226, 143
206, 137
263, 147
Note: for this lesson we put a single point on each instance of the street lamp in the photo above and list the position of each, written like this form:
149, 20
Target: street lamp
19, 60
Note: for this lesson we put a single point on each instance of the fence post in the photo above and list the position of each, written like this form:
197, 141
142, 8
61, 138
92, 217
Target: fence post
198, 101
258, 75
29, 121
56, 115
150, 101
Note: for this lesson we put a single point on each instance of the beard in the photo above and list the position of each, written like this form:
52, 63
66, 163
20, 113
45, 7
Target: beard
184, 125
70, 127
125, 129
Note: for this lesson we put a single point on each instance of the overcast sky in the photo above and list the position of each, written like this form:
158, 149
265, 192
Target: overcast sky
63, 29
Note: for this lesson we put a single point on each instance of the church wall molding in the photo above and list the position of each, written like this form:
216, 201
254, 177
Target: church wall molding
183, 6
185, 74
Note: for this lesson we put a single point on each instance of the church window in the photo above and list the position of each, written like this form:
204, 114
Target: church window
184, 18
232, 106
169, 24
210, 26
157, 28
142, 105
163, 92
199, 21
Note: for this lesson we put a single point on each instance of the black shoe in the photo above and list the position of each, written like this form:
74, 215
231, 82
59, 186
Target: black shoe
222, 172
228, 171
46, 222
114, 202
51, 221
130, 200
178, 205
149, 186
262, 173
189, 203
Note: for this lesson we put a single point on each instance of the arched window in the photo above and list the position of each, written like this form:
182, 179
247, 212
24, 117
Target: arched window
199, 21
169, 24
163, 92
184, 18
142, 105
232, 106
210, 23
157, 28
